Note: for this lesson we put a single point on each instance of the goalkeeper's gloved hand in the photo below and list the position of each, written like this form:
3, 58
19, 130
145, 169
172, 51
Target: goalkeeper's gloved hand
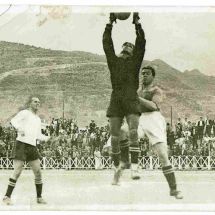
135, 17
112, 18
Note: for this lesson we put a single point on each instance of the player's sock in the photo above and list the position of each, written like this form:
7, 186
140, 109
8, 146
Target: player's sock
124, 148
116, 158
39, 186
134, 150
115, 150
170, 176
134, 146
11, 185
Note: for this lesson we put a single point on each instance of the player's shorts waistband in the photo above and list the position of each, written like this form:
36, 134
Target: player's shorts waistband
151, 113
23, 143
124, 94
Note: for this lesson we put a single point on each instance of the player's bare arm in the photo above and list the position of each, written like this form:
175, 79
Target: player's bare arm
154, 103
150, 105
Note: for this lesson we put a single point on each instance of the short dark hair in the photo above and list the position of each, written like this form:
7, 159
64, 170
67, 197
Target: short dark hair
128, 43
150, 68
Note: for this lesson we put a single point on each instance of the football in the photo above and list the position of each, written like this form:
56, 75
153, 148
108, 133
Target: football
122, 16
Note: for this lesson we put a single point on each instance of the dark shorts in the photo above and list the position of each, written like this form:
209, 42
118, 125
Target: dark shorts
121, 107
24, 152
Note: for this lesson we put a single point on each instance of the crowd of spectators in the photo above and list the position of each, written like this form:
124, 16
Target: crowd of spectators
72, 141
192, 138
69, 140
185, 138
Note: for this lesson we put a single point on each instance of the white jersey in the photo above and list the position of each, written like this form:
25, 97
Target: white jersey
30, 124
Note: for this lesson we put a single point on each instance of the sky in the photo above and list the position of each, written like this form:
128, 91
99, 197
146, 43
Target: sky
182, 37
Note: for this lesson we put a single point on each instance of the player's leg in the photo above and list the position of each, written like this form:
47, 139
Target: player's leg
133, 122
115, 113
161, 150
115, 125
124, 148
154, 126
18, 164
35, 165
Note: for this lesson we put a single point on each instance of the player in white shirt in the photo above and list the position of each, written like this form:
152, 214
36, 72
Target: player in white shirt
28, 126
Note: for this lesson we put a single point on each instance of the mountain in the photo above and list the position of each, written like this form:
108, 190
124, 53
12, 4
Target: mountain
193, 72
81, 81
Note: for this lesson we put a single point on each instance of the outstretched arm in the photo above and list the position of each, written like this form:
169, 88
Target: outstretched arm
107, 39
139, 49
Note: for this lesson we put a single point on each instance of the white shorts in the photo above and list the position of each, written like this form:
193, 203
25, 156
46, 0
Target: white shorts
153, 125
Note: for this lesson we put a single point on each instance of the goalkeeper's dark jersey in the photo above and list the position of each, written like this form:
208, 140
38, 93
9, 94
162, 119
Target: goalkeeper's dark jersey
124, 72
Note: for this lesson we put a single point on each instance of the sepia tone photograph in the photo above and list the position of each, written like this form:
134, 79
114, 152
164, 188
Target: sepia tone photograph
107, 108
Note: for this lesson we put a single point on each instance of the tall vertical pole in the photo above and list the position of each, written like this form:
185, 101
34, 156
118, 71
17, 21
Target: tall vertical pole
63, 104
171, 116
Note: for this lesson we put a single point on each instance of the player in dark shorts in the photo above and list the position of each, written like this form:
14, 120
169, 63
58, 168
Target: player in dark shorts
124, 74
153, 125
28, 126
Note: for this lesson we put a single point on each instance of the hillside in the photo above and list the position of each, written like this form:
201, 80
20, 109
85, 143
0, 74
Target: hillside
82, 79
